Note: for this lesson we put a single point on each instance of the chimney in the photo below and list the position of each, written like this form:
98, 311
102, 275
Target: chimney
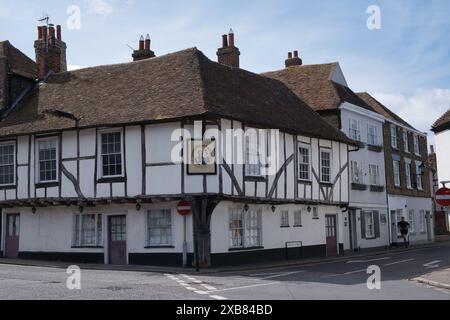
293, 60
50, 51
229, 54
144, 51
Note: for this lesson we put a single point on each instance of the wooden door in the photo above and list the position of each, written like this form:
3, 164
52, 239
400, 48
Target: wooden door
331, 233
12, 235
117, 243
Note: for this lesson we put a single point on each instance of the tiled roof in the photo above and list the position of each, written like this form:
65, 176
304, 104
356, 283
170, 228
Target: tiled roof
174, 86
443, 123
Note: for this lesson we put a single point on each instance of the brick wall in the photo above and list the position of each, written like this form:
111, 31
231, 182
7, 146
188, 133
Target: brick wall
389, 152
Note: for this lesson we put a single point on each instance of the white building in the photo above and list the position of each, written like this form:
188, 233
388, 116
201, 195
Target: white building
88, 169
325, 88
441, 128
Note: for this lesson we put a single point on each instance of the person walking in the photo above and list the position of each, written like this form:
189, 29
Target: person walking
404, 230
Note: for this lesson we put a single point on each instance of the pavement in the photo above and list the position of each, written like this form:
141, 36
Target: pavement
400, 274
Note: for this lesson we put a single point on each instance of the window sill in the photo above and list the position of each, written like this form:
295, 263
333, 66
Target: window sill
327, 184
160, 247
374, 148
112, 180
299, 226
359, 186
285, 227
87, 247
375, 188
245, 249
8, 187
254, 179
305, 181
46, 185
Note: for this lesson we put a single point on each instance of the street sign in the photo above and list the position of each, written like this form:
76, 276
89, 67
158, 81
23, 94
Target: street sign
443, 197
184, 208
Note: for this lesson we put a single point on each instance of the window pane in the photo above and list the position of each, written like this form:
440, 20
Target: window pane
47, 158
111, 149
7, 165
159, 227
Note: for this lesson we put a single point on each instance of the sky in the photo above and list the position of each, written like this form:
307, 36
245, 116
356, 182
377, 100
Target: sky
405, 63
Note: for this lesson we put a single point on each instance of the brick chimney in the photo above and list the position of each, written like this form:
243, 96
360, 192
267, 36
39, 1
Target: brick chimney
229, 54
293, 60
144, 51
50, 51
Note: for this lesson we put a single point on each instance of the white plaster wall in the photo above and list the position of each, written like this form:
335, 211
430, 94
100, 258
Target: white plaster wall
443, 155
273, 236
416, 204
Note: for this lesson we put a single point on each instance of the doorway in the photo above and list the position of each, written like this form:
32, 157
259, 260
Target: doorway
117, 240
352, 230
394, 229
331, 233
12, 236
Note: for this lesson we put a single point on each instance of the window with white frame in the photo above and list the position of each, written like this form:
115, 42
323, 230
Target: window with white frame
408, 173
416, 145
325, 165
297, 218
304, 162
396, 165
285, 219
419, 176
357, 174
354, 130
252, 156
422, 221
412, 221
111, 154
374, 175
394, 137
7, 164
159, 227
405, 141
245, 228
369, 224
47, 160
372, 135
88, 230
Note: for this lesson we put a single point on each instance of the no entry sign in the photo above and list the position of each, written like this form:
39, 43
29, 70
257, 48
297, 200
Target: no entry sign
184, 208
443, 197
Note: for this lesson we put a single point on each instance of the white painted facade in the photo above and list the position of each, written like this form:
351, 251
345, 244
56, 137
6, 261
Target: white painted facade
148, 173
442, 140
367, 171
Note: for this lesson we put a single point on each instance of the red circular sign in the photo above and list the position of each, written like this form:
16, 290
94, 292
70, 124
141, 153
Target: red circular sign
184, 208
443, 197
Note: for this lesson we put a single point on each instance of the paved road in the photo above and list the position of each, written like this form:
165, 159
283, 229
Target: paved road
337, 280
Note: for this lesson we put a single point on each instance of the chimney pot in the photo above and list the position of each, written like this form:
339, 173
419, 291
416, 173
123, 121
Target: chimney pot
58, 32
147, 42
295, 54
293, 59
141, 43
39, 33
289, 55
44, 32
224, 41
231, 38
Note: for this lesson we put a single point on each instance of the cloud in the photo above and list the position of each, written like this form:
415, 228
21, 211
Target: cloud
100, 7
72, 67
421, 109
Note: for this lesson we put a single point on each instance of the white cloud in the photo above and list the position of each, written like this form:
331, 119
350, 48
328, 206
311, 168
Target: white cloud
101, 7
421, 109
72, 67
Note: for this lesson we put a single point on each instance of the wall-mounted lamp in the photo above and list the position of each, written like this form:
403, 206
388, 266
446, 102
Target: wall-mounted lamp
81, 209
138, 206
309, 209
33, 210
246, 208
274, 209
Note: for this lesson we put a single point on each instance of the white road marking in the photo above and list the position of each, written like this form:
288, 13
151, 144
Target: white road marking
208, 287
201, 292
247, 287
356, 271
432, 264
218, 297
191, 289
398, 262
371, 260
279, 275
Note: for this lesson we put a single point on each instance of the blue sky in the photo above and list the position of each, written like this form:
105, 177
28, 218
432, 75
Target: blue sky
405, 64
